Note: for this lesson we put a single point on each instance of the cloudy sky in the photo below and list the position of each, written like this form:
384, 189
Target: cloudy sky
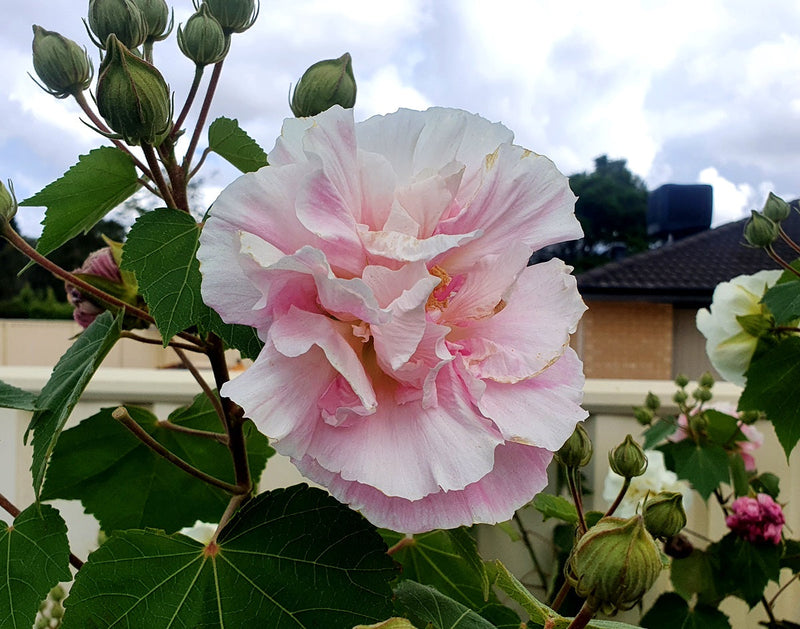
687, 91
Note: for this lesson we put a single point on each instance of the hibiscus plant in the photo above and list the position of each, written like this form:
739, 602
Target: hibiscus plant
404, 355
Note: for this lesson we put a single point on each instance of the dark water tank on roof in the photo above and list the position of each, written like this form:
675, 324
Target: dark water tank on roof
677, 210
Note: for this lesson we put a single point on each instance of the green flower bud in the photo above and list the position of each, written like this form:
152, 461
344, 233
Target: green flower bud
680, 397
8, 202
776, 209
156, 18
698, 423
121, 18
577, 450
664, 516
652, 402
323, 85
643, 415
202, 39
628, 459
760, 231
706, 380
614, 564
132, 96
751, 417
702, 394
682, 380
63, 67
235, 16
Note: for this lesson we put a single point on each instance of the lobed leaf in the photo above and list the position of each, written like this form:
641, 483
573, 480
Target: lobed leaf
124, 484
227, 139
424, 604
292, 558
160, 250
704, 465
670, 611
659, 431
783, 300
555, 507
98, 183
34, 557
70, 377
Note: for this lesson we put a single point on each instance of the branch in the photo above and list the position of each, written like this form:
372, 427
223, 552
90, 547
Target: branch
158, 177
201, 119
205, 434
173, 344
121, 415
526, 540
203, 385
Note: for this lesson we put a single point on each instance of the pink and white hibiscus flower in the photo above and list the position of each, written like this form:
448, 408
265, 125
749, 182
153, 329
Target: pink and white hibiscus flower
413, 363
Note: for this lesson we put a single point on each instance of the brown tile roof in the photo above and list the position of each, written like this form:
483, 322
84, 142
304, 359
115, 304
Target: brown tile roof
685, 271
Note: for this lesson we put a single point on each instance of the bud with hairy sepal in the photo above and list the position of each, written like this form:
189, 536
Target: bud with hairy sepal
132, 96
614, 564
702, 394
628, 459
643, 415
706, 380
121, 18
776, 209
156, 16
235, 16
760, 231
664, 516
202, 39
577, 450
323, 85
8, 203
652, 401
681, 380
63, 67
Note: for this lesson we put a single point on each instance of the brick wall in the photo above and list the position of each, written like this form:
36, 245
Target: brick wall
626, 340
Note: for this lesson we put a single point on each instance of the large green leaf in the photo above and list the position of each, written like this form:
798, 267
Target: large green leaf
34, 557
227, 139
160, 250
98, 183
659, 431
292, 558
748, 567
424, 604
13, 397
67, 382
240, 337
695, 575
772, 387
704, 465
125, 485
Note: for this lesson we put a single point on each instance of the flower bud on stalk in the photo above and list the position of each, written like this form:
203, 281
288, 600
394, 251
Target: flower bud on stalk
680, 397
776, 209
760, 231
156, 18
702, 394
63, 67
577, 450
614, 564
121, 18
664, 516
681, 380
643, 415
652, 401
235, 16
132, 96
628, 459
202, 39
8, 203
323, 85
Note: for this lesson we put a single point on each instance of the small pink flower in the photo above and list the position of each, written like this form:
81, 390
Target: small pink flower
413, 363
757, 520
100, 263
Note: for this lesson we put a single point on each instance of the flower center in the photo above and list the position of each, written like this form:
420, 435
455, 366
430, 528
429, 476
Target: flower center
439, 295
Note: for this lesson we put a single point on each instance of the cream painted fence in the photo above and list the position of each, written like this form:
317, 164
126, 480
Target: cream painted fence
608, 401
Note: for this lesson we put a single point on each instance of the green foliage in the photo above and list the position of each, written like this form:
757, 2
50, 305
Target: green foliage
746, 568
670, 611
32, 304
424, 604
772, 387
704, 465
14, 397
783, 301
124, 484
659, 431
555, 507
34, 557
292, 558
61, 393
466, 546
227, 139
87, 192
696, 574
160, 250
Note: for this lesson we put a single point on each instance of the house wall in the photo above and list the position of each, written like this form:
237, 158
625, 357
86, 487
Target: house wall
626, 339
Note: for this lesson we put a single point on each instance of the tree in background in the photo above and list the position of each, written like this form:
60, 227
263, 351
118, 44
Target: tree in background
612, 208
